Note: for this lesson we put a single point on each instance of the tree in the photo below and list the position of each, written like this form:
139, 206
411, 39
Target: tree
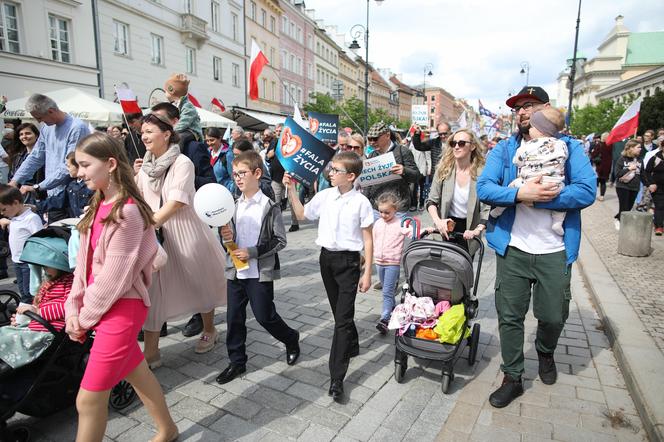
597, 118
652, 112
322, 103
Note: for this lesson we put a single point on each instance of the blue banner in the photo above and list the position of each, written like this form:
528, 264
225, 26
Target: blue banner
301, 154
324, 126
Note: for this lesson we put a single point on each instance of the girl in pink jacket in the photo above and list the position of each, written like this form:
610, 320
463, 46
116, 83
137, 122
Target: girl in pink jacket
388, 237
110, 289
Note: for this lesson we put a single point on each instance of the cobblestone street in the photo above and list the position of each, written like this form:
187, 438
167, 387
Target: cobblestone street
276, 402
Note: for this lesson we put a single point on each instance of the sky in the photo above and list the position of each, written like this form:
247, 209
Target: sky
477, 47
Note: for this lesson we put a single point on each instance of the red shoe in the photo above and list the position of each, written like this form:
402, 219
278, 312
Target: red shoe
659, 231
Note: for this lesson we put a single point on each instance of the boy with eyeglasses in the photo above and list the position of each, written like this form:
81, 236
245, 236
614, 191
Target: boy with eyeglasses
344, 229
258, 231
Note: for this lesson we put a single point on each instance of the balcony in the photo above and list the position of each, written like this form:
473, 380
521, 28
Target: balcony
192, 28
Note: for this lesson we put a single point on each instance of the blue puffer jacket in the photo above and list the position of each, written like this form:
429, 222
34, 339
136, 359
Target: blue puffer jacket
221, 170
578, 193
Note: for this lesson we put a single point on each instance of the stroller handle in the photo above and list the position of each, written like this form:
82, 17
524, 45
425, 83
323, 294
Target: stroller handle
35, 317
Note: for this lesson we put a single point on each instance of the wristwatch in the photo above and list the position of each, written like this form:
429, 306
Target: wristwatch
36, 187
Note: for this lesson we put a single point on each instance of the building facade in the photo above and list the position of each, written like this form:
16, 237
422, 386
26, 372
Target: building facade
440, 106
351, 74
404, 97
47, 45
326, 60
643, 85
379, 92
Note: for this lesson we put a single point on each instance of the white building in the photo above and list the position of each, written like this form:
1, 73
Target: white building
326, 59
46, 45
143, 42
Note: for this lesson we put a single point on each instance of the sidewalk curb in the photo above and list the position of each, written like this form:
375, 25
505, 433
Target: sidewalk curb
639, 358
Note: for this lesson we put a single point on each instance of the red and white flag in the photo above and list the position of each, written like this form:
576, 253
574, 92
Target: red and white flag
127, 100
258, 62
216, 102
194, 101
627, 124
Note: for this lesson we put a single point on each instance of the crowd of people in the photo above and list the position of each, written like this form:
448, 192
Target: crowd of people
145, 258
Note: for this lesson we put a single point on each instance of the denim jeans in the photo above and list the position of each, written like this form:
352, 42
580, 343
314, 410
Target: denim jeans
389, 277
23, 281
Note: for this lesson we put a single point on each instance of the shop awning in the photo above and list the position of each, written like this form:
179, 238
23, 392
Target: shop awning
252, 119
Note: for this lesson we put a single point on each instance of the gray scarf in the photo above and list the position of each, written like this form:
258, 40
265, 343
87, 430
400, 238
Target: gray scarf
156, 168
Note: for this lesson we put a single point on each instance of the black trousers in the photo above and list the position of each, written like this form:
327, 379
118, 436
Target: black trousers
658, 200
601, 182
341, 274
626, 200
56, 215
261, 297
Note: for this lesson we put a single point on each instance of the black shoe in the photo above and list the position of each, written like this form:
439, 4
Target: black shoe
381, 326
194, 326
547, 368
294, 228
292, 353
354, 352
4, 275
163, 332
230, 373
336, 390
508, 391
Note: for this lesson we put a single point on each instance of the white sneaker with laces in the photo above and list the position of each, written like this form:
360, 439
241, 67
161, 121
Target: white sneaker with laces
616, 224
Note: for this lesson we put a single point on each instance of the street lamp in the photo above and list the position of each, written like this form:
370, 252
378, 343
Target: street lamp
572, 70
426, 71
357, 32
525, 69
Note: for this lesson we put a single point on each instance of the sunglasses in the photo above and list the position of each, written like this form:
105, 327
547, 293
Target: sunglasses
461, 143
372, 139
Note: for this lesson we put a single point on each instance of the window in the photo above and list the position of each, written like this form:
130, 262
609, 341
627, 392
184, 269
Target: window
284, 24
252, 10
272, 54
9, 28
216, 69
273, 92
433, 98
273, 24
299, 95
292, 30
188, 6
236, 75
310, 42
190, 59
284, 94
263, 17
292, 94
298, 35
310, 71
120, 38
317, 76
157, 50
291, 63
59, 36
234, 28
263, 88
214, 16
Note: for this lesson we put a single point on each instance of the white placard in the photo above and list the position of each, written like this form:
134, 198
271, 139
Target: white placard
377, 170
419, 114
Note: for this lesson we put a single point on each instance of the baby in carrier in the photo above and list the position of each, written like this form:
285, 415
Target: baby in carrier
542, 155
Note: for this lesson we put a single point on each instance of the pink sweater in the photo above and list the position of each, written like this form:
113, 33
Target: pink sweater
388, 241
121, 265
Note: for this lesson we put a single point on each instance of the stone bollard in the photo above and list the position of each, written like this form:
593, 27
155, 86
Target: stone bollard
635, 234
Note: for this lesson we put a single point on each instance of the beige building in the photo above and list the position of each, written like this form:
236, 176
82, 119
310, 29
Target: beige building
379, 92
351, 73
404, 98
326, 60
263, 18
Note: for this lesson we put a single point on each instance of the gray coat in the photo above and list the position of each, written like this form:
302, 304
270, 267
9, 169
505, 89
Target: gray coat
399, 187
271, 239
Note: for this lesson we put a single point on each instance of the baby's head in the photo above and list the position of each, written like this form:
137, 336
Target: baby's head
546, 123
176, 87
72, 165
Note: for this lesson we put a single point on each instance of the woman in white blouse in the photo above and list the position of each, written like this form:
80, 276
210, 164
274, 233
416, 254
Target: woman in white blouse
452, 202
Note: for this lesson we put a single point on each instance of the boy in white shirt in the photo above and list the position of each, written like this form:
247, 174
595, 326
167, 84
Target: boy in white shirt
344, 229
22, 223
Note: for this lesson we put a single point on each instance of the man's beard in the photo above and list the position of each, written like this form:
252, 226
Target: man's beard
523, 130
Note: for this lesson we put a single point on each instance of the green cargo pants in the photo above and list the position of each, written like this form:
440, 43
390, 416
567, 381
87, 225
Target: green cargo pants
548, 276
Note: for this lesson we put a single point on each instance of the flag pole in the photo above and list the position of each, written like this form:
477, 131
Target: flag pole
131, 134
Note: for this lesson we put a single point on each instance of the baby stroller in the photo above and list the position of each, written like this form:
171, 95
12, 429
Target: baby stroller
50, 383
443, 271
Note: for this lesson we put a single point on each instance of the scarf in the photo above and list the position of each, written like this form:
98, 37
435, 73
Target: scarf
155, 168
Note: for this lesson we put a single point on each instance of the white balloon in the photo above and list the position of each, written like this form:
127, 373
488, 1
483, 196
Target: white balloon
214, 204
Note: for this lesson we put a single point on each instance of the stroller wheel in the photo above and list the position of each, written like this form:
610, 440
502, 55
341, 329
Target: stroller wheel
8, 301
473, 344
446, 381
400, 370
16, 434
122, 395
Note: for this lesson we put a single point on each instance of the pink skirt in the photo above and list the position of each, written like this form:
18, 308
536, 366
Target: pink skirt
115, 352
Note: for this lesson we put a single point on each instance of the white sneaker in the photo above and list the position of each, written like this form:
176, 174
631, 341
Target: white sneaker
616, 224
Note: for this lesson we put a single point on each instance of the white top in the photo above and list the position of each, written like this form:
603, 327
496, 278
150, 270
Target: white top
20, 229
532, 232
648, 156
459, 204
248, 221
341, 218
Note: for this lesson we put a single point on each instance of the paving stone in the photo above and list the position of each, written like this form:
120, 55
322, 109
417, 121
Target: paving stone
587, 394
321, 416
317, 433
197, 411
233, 428
200, 390
270, 380
280, 423
191, 431
237, 405
274, 399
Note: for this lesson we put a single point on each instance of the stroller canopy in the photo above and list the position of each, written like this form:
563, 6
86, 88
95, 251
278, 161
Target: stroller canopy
48, 248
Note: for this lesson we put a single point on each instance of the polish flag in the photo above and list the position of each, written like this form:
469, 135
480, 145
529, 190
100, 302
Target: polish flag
218, 104
194, 101
128, 100
258, 62
627, 124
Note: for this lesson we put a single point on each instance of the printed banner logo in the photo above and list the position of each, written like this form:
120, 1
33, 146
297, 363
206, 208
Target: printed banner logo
313, 125
290, 143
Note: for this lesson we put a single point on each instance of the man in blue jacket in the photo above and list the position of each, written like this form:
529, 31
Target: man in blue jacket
530, 256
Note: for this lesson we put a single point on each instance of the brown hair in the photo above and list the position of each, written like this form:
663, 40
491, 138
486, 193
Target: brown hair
388, 198
351, 161
251, 159
628, 146
103, 147
446, 163
163, 125
16, 147
9, 195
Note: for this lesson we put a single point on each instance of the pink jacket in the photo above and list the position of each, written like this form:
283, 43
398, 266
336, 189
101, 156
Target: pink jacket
121, 264
388, 242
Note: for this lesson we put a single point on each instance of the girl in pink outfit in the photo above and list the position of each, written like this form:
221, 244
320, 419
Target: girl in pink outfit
388, 237
110, 289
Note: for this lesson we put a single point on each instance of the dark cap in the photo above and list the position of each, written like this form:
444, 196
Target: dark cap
378, 129
533, 92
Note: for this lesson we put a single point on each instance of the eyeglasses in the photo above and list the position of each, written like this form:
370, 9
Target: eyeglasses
342, 145
461, 143
334, 171
352, 146
372, 139
240, 174
525, 107
443, 133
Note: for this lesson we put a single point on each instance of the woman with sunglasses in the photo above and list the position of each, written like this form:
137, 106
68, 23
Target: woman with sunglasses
452, 202
192, 280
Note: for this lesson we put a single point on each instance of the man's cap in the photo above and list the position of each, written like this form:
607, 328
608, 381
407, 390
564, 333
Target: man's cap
532, 92
378, 129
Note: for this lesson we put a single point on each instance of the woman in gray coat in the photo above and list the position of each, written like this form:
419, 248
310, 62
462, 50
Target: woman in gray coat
452, 202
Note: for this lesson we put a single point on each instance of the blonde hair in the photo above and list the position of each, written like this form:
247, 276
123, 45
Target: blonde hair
446, 163
359, 139
628, 146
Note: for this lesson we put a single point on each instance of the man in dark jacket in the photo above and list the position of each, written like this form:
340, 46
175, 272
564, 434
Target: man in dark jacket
133, 141
435, 145
380, 138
